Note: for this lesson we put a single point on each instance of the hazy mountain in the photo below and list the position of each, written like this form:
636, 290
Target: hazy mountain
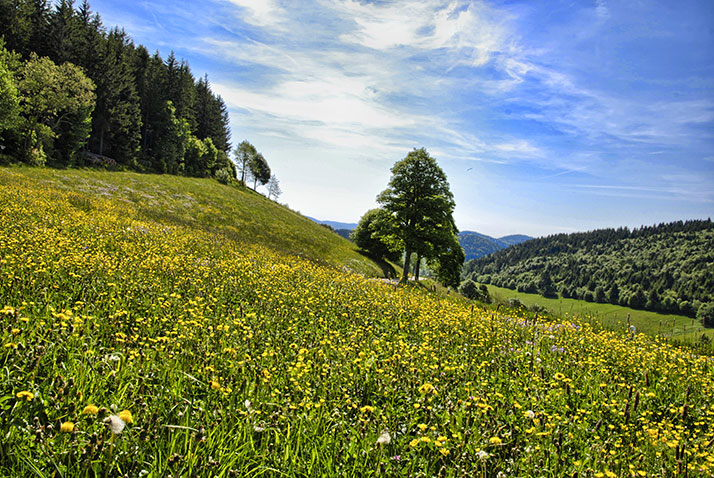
478, 245
350, 226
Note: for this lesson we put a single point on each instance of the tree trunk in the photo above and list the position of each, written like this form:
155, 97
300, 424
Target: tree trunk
407, 261
101, 141
417, 266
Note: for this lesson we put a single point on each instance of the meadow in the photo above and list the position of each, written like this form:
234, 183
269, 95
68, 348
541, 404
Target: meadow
163, 344
611, 316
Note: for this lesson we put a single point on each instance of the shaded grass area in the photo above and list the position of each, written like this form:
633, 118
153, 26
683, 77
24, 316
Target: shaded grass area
237, 213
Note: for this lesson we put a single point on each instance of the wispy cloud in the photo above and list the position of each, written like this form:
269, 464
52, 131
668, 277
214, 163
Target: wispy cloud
261, 13
375, 76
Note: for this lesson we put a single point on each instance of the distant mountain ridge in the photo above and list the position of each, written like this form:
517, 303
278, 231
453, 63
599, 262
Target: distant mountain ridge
478, 245
336, 225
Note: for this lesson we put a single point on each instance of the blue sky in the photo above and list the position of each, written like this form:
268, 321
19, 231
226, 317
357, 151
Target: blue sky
547, 116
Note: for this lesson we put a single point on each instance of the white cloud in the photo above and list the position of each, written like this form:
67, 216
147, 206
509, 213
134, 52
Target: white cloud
469, 32
261, 13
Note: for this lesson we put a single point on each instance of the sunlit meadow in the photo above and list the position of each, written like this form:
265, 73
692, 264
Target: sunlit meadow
137, 346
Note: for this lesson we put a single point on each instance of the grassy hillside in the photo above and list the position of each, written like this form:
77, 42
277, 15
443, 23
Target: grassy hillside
610, 316
203, 204
139, 344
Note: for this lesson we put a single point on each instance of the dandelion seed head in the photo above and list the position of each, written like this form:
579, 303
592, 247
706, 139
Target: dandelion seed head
115, 424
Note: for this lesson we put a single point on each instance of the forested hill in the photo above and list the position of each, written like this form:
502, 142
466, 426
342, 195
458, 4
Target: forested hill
669, 267
75, 93
477, 245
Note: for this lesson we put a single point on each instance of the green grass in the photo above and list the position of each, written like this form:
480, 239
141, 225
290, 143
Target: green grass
613, 317
229, 357
237, 213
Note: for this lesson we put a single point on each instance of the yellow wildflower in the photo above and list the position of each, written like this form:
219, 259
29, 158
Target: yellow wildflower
90, 410
126, 416
25, 395
67, 427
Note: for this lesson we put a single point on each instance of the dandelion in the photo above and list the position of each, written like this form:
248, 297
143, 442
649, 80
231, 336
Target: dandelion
126, 416
67, 427
115, 424
427, 388
90, 410
25, 395
215, 385
414, 442
559, 376
529, 414
495, 441
385, 438
367, 409
482, 455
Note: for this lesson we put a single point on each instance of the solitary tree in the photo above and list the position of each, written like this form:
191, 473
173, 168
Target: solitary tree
274, 190
259, 169
421, 203
244, 154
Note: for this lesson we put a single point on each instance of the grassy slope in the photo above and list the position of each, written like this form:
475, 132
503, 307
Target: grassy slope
611, 316
237, 360
205, 204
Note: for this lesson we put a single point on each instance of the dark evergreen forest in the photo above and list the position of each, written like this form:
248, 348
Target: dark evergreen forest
664, 268
77, 93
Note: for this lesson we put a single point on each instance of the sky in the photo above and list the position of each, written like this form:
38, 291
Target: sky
547, 116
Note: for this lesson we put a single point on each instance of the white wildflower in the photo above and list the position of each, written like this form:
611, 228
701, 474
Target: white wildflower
482, 455
385, 438
115, 424
529, 414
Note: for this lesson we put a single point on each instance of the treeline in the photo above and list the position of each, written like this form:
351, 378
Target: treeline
663, 268
74, 93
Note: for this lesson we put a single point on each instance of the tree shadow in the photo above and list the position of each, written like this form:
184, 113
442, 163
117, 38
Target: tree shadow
387, 269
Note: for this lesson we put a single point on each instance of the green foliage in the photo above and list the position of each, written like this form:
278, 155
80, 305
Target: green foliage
224, 176
56, 105
421, 203
706, 314
662, 268
244, 154
447, 261
131, 125
9, 98
373, 232
473, 291
259, 170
